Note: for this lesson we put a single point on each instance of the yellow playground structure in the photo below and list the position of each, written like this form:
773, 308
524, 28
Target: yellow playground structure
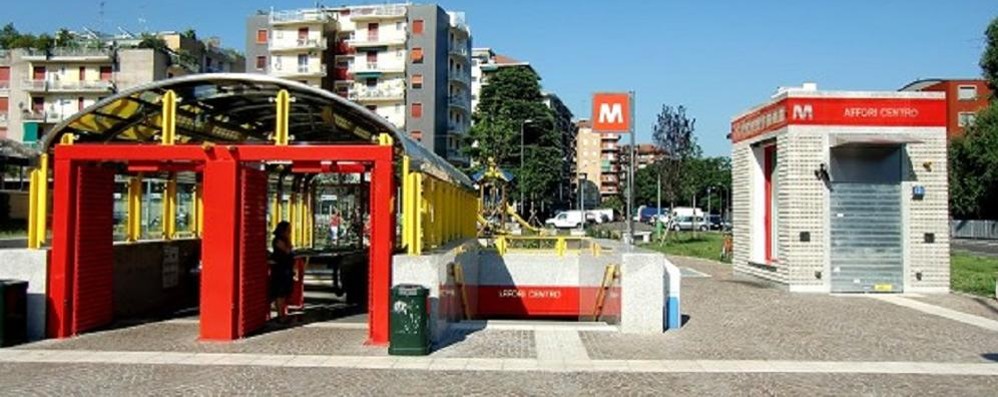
494, 210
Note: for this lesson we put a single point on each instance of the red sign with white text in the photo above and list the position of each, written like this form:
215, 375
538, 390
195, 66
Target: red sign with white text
520, 301
874, 112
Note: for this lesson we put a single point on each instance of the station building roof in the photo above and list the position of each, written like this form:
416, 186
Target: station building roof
239, 108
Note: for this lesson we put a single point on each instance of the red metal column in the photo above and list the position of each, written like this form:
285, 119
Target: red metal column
253, 303
382, 244
219, 250
60, 271
93, 261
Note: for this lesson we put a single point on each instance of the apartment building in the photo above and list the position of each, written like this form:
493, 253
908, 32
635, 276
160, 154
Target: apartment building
646, 154
964, 98
567, 131
40, 88
597, 158
408, 63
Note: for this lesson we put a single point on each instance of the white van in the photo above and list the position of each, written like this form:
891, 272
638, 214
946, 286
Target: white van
686, 211
566, 219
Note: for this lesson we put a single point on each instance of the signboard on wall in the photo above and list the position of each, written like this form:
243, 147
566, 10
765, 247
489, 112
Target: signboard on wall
171, 266
612, 112
874, 112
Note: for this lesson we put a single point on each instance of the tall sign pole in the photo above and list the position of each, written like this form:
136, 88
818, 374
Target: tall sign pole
614, 112
629, 237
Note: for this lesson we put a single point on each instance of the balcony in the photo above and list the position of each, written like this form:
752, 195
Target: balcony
3, 118
342, 74
297, 45
45, 117
299, 71
461, 77
68, 54
459, 49
392, 11
298, 16
383, 40
378, 67
344, 49
377, 94
457, 128
459, 101
458, 21
95, 86
4, 88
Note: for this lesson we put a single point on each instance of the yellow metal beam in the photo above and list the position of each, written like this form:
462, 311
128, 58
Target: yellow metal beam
169, 221
406, 210
198, 202
283, 112
169, 115
41, 215
133, 230
419, 235
33, 242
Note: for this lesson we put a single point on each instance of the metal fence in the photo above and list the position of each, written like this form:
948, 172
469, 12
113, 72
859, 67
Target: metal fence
975, 229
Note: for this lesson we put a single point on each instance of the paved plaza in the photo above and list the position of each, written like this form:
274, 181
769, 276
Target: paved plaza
739, 337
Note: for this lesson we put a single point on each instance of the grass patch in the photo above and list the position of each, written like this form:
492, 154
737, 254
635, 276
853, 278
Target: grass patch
706, 245
973, 274
13, 230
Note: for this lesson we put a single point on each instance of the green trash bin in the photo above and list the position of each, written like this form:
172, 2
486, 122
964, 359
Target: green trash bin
409, 321
14, 315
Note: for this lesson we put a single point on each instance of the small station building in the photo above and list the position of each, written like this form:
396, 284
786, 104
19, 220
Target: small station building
842, 191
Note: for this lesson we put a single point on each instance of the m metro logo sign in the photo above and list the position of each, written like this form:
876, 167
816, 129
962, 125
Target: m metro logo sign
612, 112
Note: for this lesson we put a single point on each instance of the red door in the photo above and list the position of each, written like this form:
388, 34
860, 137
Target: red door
253, 303
372, 32
4, 102
769, 169
38, 73
105, 73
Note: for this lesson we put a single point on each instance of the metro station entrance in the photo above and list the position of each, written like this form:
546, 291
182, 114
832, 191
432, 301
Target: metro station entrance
239, 136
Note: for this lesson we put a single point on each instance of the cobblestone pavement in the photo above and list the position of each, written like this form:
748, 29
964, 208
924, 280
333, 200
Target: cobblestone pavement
111, 379
728, 319
738, 319
976, 305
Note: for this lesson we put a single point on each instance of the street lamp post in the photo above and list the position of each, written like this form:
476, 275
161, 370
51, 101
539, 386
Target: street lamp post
522, 124
582, 195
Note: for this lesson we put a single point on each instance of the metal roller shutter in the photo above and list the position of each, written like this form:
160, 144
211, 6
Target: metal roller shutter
253, 300
93, 264
866, 238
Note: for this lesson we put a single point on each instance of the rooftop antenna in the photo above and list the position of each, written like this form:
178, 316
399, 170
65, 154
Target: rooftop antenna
100, 16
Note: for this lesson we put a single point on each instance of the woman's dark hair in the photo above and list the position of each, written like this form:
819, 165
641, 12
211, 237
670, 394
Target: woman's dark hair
282, 227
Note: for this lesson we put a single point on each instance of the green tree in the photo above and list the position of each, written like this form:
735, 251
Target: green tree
152, 41
44, 42
190, 33
65, 38
989, 59
512, 97
973, 170
973, 157
673, 134
8, 34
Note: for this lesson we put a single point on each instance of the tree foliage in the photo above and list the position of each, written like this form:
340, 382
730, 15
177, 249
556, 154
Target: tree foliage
513, 96
673, 135
989, 59
973, 157
973, 176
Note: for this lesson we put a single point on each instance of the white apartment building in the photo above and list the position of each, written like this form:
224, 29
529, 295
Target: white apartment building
408, 63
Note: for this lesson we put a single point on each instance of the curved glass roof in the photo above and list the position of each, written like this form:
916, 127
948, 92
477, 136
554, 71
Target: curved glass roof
239, 107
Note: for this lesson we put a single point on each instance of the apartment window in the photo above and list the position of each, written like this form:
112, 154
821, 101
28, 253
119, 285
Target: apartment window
417, 81
966, 92
303, 33
261, 62
261, 36
398, 26
83, 73
417, 27
417, 110
302, 60
372, 58
105, 73
417, 55
966, 119
417, 135
372, 32
371, 82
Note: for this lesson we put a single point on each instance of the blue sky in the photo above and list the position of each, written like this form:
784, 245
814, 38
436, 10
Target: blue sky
715, 57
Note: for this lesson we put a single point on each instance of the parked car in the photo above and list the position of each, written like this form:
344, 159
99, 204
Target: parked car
686, 222
646, 214
569, 219
714, 222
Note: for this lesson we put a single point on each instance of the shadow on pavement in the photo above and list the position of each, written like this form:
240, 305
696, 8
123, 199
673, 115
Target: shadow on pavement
990, 356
